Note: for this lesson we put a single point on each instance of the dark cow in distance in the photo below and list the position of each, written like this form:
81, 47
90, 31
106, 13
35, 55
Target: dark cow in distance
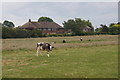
45, 47
64, 41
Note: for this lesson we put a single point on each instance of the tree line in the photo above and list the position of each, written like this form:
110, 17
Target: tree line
76, 25
113, 28
20, 33
9, 30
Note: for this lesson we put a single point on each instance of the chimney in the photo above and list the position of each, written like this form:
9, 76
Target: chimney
29, 20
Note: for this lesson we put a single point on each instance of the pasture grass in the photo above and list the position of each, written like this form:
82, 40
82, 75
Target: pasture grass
80, 62
71, 41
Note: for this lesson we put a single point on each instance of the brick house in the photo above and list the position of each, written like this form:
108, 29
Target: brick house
45, 27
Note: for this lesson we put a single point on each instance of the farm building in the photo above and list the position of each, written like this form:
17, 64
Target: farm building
87, 29
45, 27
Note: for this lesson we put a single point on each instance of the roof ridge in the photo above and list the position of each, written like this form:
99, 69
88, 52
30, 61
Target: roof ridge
44, 24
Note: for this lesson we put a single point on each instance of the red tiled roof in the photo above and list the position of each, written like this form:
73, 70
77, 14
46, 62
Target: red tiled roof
41, 25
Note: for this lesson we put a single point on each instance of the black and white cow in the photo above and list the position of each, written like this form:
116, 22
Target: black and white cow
45, 47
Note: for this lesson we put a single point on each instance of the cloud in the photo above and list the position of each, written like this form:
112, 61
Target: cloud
96, 12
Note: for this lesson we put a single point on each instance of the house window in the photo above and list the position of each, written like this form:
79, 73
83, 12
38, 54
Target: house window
53, 29
44, 29
49, 29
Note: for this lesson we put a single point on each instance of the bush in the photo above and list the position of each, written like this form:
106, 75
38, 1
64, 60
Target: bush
20, 33
35, 33
8, 32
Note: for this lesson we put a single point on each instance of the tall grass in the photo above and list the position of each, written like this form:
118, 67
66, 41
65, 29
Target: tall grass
30, 43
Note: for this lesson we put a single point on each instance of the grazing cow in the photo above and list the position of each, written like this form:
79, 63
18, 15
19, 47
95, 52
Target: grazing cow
89, 40
81, 39
45, 47
64, 41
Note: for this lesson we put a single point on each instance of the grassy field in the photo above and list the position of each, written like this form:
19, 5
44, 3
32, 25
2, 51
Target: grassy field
97, 58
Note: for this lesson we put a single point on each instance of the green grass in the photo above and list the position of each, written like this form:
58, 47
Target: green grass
81, 62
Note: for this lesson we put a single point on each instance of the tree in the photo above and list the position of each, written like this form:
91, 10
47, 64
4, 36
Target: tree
0, 30
21, 33
111, 24
98, 30
8, 32
8, 24
35, 33
70, 24
46, 19
77, 25
104, 29
114, 28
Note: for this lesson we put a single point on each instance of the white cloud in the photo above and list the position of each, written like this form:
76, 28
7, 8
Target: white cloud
97, 13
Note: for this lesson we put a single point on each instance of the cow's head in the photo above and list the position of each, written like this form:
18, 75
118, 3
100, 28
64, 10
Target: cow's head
51, 47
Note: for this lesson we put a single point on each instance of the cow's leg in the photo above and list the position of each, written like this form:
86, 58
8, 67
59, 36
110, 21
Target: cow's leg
48, 54
37, 50
41, 53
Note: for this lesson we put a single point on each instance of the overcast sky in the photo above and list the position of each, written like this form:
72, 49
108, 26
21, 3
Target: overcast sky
97, 12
